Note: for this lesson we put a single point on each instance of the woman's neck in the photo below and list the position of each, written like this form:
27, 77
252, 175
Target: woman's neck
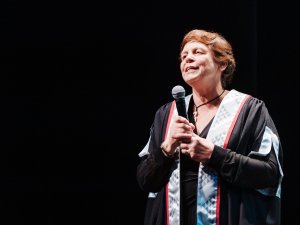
206, 96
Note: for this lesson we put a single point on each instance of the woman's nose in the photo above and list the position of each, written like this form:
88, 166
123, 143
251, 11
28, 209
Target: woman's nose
190, 57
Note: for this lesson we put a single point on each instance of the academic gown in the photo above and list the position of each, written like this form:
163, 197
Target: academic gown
249, 171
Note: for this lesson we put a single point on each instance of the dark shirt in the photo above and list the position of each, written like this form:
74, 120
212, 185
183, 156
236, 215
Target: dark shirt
189, 179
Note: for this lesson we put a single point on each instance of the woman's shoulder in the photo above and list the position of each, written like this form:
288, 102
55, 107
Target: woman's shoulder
254, 105
164, 108
251, 100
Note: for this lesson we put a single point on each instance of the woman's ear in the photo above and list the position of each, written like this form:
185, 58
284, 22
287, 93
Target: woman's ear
223, 66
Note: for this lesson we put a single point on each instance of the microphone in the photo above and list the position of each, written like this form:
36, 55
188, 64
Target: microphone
178, 93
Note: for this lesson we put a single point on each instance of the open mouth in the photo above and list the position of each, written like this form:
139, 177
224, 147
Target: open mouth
191, 69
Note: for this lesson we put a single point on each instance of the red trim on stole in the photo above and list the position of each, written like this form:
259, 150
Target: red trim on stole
225, 146
167, 192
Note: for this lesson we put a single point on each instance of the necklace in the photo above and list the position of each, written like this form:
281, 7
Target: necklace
195, 113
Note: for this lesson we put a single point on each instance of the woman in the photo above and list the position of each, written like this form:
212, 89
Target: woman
223, 165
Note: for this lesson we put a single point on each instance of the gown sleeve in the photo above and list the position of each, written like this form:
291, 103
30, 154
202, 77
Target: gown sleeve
154, 168
253, 158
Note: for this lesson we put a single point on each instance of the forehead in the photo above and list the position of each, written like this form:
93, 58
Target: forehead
194, 45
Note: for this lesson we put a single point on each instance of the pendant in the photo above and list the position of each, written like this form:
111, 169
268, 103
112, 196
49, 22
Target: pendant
195, 113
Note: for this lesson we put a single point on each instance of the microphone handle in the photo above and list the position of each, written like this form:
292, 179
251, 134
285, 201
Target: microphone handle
181, 109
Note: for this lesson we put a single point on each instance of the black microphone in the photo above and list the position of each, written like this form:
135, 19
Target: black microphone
178, 93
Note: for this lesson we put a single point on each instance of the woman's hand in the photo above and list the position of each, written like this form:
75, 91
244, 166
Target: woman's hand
181, 130
198, 148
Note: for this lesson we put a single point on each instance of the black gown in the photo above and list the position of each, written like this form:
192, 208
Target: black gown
243, 175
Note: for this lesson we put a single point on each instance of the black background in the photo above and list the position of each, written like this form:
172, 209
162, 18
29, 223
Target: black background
81, 81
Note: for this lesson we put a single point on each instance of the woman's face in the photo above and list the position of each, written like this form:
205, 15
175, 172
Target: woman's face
197, 64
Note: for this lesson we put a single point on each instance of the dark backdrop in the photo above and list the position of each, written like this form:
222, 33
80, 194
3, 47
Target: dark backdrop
81, 81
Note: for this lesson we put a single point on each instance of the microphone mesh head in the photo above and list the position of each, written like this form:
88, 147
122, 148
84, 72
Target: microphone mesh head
178, 92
